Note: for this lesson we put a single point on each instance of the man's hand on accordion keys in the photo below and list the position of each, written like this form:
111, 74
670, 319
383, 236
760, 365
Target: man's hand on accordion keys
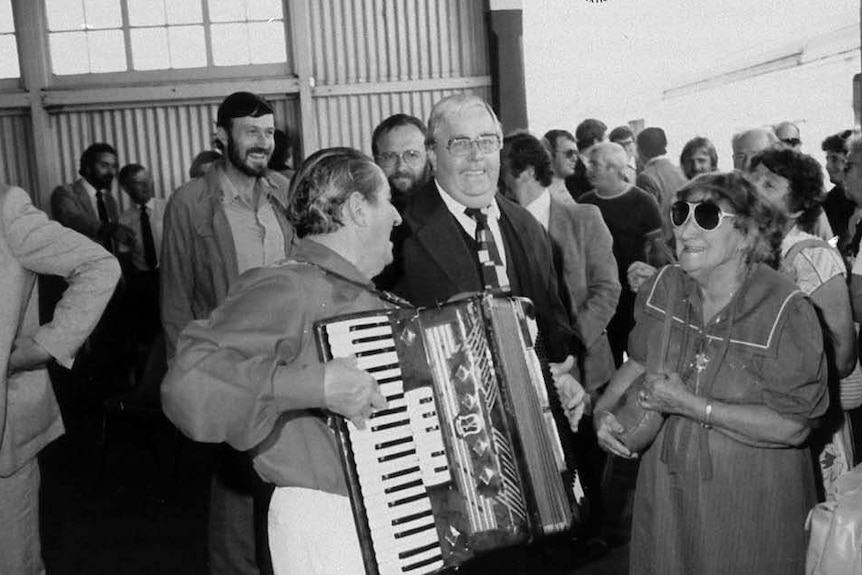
572, 395
350, 391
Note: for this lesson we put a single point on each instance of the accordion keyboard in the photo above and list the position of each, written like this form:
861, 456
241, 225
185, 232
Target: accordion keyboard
398, 454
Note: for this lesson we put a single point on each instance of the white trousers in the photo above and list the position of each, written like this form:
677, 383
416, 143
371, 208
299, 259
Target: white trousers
312, 533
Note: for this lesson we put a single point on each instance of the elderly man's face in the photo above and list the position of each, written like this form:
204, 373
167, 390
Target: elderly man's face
604, 177
382, 218
565, 157
401, 154
746, 148
468, 175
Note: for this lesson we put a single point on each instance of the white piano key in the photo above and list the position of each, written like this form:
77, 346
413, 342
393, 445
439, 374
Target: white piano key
401, 513
390, 547
347, 324
370, 362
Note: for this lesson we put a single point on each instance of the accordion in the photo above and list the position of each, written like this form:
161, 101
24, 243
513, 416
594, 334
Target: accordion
467, 457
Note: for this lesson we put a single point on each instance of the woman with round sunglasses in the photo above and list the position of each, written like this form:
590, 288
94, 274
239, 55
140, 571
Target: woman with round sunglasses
727, 483
793, 183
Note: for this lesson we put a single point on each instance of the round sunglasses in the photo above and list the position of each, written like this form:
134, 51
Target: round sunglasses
707, 215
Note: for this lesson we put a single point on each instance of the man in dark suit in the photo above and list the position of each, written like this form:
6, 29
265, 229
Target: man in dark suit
439, 248
87, 205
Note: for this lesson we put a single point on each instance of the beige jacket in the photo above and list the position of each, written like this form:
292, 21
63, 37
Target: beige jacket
31, 244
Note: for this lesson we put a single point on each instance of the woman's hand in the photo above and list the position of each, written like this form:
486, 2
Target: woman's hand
665, 393
638, 273
573, 398
607, 429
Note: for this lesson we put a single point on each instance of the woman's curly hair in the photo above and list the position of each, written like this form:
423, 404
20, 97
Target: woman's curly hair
323, 183
757, 219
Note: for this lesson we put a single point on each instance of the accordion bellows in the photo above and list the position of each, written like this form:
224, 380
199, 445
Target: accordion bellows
466, 458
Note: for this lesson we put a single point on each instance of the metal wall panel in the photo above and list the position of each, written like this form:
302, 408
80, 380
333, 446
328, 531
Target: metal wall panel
16, 150
356, 41
164, 137
350, 120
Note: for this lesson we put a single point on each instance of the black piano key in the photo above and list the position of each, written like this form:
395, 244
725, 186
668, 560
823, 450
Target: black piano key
369, 325
418, 550
407, 500
413, 517
393, 379
371, 338
423, 563
398, 455
394, 442
403, 486
415, 530
392, 411
373, 352
374, 369
391, 425
399, 473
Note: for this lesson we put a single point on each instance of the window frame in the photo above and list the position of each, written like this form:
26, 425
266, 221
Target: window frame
169, 75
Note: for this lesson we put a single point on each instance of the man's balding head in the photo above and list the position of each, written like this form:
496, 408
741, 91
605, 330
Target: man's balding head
788, 132
748, 143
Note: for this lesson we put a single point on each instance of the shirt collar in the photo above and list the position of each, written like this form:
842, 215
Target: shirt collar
457, 208
657, 158
228, 191
541, 207
311, 251
91, 191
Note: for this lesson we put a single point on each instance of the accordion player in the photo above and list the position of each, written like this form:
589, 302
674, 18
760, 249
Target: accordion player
467, 457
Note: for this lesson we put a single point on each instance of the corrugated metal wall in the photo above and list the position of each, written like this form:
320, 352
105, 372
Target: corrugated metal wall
165, 138
16, 150
357, 41
377, 41
350, 120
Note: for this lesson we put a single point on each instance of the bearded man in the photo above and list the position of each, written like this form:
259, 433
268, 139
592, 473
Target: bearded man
216, 227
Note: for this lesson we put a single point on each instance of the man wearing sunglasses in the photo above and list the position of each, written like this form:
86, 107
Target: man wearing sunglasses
564, 157
398, 146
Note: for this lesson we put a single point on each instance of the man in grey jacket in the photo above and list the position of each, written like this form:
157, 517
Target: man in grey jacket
31, 244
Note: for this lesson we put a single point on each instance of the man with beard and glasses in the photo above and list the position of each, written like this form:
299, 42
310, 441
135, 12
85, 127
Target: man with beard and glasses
398, 145
216, 227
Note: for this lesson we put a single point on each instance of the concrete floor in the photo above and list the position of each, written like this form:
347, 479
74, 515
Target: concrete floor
136, 505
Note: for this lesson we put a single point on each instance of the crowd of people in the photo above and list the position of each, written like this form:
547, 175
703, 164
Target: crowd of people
727, 298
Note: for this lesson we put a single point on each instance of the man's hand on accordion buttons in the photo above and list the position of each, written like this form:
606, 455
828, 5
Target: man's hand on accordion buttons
350, 391
572, 395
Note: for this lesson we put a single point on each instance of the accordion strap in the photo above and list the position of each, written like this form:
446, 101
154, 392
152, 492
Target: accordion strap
369, 287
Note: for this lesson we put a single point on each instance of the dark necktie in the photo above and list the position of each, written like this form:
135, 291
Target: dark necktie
493, 273
103, 209
147, 237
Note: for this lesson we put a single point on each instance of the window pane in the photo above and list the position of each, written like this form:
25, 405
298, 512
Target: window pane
65, 15
264, 9
8, 57
69, 53
107, 51
267, 44
184, 12
188, 46
103, 14
150, 49
230, 44
146, 13
227, 10
6, 23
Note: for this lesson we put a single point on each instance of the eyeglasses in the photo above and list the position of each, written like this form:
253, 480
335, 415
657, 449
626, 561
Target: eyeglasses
409, 157
707, 215
486, 143
570, 154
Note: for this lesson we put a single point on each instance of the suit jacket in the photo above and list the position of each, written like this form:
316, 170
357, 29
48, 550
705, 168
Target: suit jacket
436, 263
31, 244
583, 256
198, 261
71, 206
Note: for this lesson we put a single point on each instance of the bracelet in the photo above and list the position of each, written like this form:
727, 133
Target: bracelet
707, 416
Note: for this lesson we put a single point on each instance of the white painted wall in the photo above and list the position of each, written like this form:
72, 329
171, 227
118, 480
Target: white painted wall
612, 60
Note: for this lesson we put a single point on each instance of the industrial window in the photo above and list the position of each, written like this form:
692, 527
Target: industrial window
8, 48
99, 36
